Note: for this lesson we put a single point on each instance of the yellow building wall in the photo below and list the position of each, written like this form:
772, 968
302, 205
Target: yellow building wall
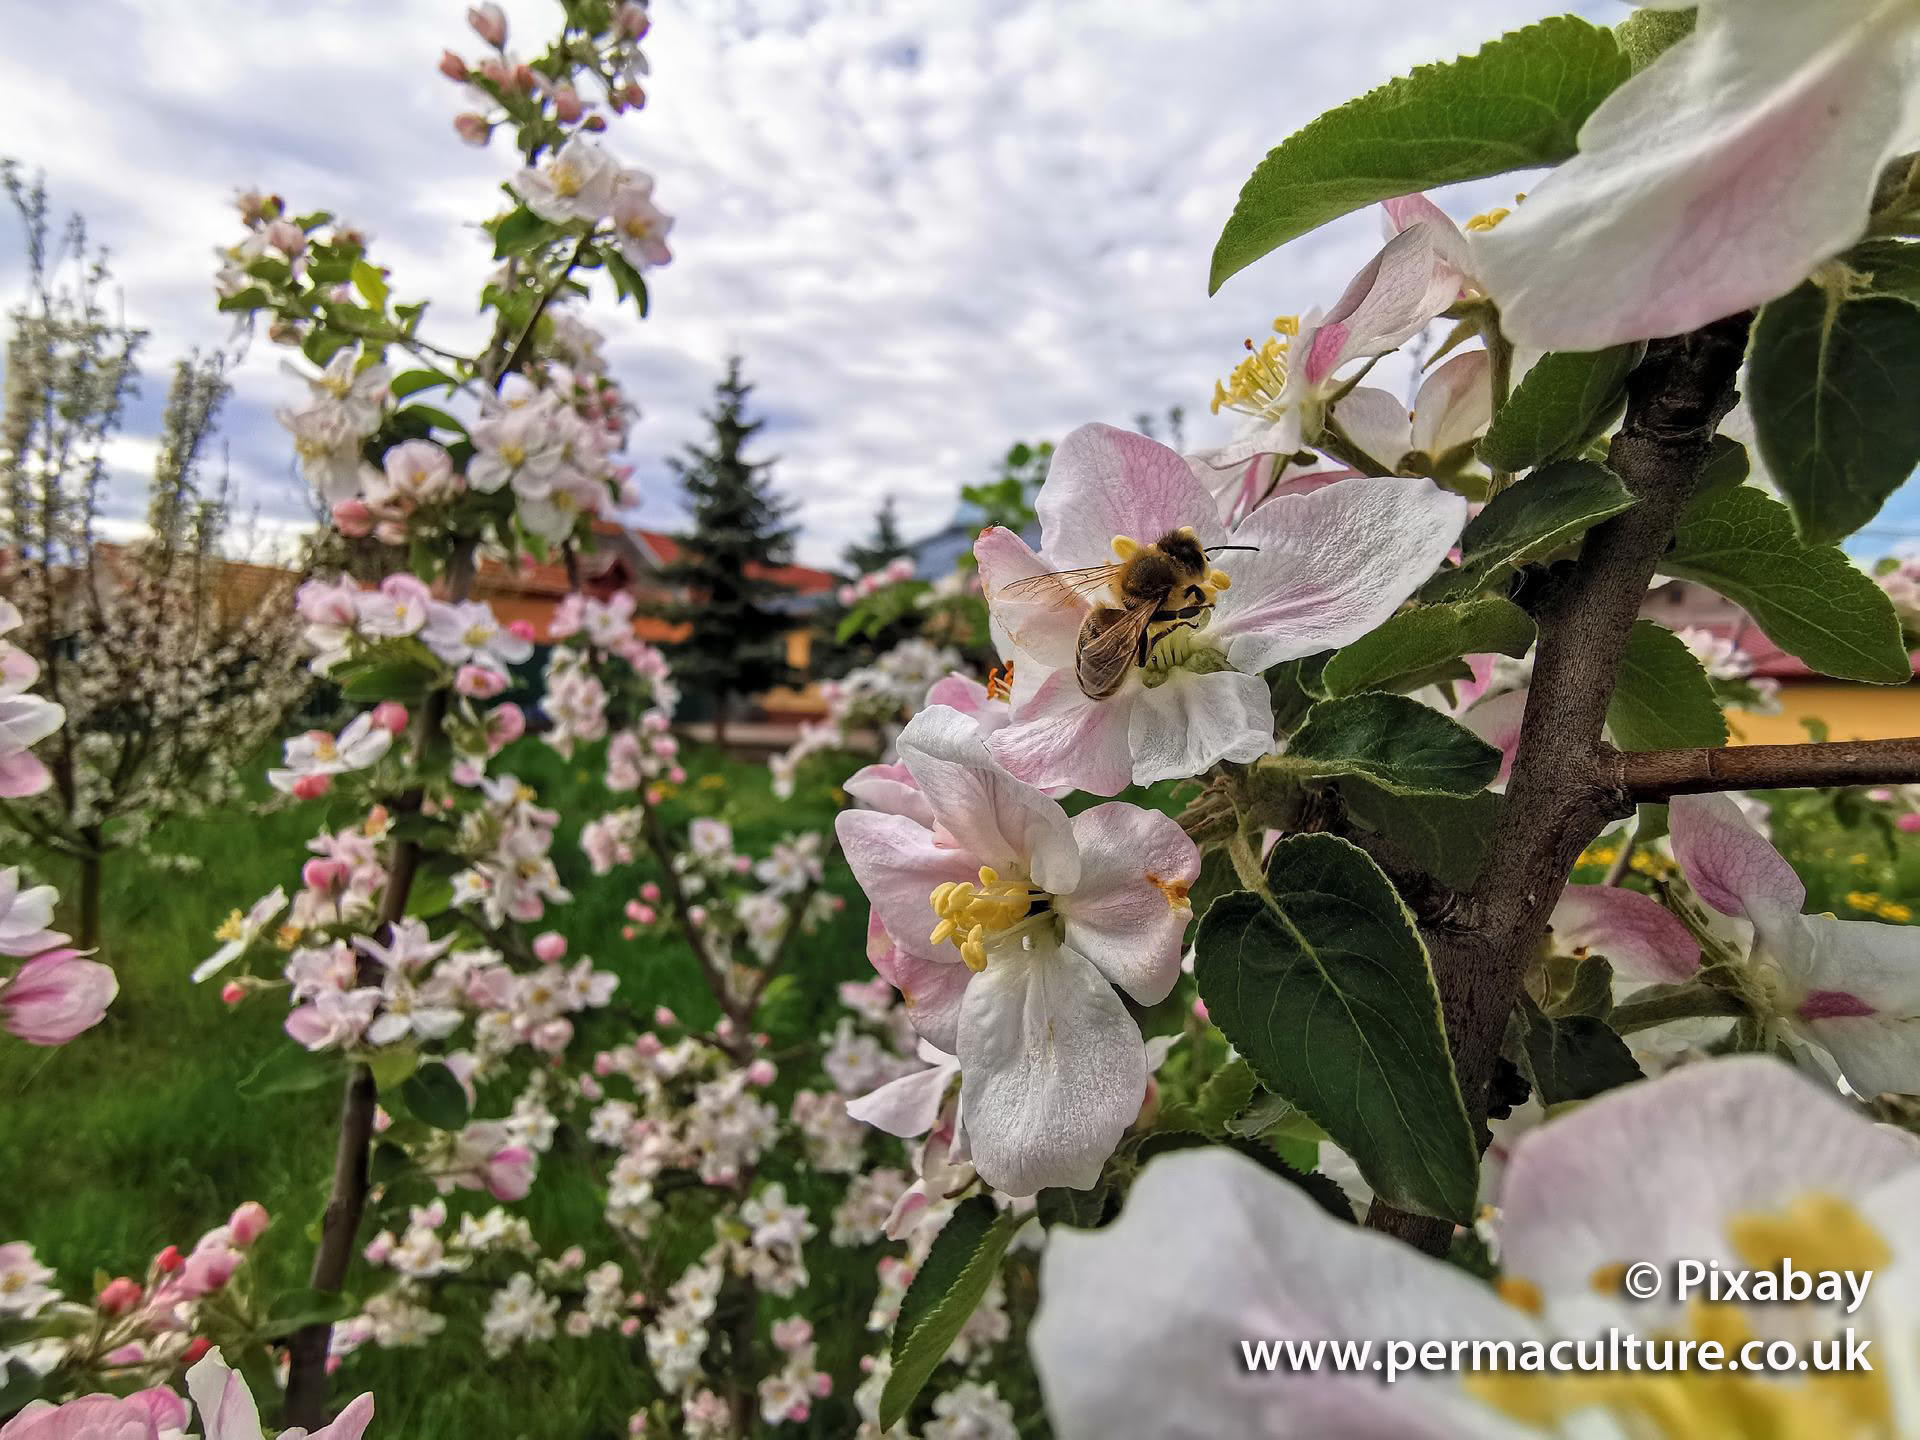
1852, 712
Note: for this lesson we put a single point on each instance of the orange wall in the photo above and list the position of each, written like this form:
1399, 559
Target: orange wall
1852, 712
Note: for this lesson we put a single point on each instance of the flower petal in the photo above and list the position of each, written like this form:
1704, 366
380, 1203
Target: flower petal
899, 867
1640, 937
1052, 1068
995, 818
907, 1106
891, 790
1060, 737
1715, 179
930, 988
1105, 482
226, 1407
1377, 422
1455, 404
1129, 912
1042, 628
1862, 999
1140, 1324
1331, 566
1193, 720
1731, 865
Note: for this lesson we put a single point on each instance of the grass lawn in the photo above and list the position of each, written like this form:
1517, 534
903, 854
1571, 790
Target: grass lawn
133, 1137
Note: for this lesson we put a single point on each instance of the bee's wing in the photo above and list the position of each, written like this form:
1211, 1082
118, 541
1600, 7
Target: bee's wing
1104, 659
1061, 589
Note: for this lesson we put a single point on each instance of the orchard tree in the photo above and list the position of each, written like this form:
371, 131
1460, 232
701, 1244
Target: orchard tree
727, 599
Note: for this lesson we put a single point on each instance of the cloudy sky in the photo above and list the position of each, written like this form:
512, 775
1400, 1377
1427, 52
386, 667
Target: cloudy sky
932, 228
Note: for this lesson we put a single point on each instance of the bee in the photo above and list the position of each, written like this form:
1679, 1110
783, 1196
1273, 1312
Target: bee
1161, 588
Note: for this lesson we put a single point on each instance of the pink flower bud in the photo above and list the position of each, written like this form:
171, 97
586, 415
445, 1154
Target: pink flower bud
724, 1029
631, 1327
627, 932
1908, 823
650, 893
489, 22
1199, 1009
646, 916
595, 123
472, 128
677, 775
209, 1270
196, 1352
647, 1046
760, 1073
378, 1249
591, 1089
120, 1296
603, 1064
312, 787
326, 876
633, 911
286, 237
390, 716
505, 724
550, 946
521, 628
631, 19
168, 1260
822, 1385
453, 67
248, 1223
232, 993
632, 96
476, 682
697, 914
567, 107
353, 519
742, 864
523, 80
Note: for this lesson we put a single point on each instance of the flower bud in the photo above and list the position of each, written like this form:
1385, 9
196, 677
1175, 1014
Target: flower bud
677, 775
196, 1351
119, 1296
453, 67
232, 993
646, 915
523, 629
760, 1073
627, 932
248, 1223
631, 1327
489, 22
567, 106
632, 96
390, 716
286, 237
472, 128
595, 123
631, 19
550, 946
1908, 823
168, 1260
650, 893
1200, 1010
353, 519
324, 875
312, 787
477, 682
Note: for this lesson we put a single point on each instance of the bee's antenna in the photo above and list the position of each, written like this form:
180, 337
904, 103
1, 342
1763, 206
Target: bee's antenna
1216, 549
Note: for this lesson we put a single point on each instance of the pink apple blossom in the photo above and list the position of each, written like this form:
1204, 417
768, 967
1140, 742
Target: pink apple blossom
55, 996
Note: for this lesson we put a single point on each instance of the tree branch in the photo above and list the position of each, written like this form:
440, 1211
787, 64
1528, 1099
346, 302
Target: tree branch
1657, 775
1559, 797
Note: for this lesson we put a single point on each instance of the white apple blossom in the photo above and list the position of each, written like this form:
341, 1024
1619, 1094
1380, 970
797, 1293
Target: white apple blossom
240, 932
470, 634
575, 183
319, 752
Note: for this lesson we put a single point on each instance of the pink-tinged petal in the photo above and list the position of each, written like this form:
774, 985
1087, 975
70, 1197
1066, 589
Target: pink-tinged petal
1497, 721
930, 987
22, 774
1655, 1170
27, 719
993, 817
1330, 566
167, 1409
1377, 422
226, 1407
961, 692
1446, 238
891, 790
1129, 913
1640, 937
1731, 865
91, 1417
1193, 720
18, 670
1859, 983
55, 997
1060, 737
1714, 180
1401, 290
1052, 1069
1036, 627
1105, 482
908, 1106
899, 867
1455, 404
350, 1424
1140, 1324
1326, 351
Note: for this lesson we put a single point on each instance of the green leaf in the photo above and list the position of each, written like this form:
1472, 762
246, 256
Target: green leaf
1081, 1209
1328, 992
1518, 103
432, 894
1414, 641
1274, 1117
1646, 35
1448, 836
371, 284
1727, 466
404, 680
296, 1309
289, 1070
949, 1284
1552, 507
1224, 1096
1831, 385
1392, 741
322, 344
435, 1096
1811, 600
411, 382
439, 418
391, 1065
1663, 699
1575, 1058
627, 280
1562, 403
519, 231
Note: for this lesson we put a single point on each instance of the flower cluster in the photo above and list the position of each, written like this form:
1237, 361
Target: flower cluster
892, 573
876, 698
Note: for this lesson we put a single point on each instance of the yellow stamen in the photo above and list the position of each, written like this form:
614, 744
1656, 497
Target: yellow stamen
970, 914
1256, 382
1520, 1293
1820, 1231
232, 928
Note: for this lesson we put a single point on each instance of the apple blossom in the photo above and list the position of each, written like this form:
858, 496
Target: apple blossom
395, 610
227, 1411
469, 634
576, 183
55, 996
25, 720
24, 916
479, 682
1450, 413
640, 227
1717, 178
1048, 916
489, 22
1321, 570
318, 753
239, 932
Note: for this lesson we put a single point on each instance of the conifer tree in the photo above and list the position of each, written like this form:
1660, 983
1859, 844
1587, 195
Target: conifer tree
885, 544
736, 639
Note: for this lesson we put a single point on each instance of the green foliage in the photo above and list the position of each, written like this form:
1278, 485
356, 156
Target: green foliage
1646, 35
434, 1096
885, 607
1552, 507
1326, 988
1405, 651
1446, 835
1516, 104
1007, 500
1574, 1057
1831, 378
1391, 741
884, 545
949, 1284
1663, 700
1809, 599
289, 1070
1560, 405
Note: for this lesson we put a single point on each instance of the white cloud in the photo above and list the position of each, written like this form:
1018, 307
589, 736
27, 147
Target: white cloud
931, 229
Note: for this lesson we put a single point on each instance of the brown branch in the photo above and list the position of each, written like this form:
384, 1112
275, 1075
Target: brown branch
1557, 799
1657, 775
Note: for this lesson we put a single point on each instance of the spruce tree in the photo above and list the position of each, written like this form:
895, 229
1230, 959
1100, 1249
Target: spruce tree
863, 557
736, 639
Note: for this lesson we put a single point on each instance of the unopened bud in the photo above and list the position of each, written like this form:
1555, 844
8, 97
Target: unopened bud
120, 1295
550, 946
248, 1223
312, 787
595, 123
631, 19
489, 22
567, 106
232, 993
390, 716
472, 128
196, 1352
452, 66
286, 237
168, 1260
353, 519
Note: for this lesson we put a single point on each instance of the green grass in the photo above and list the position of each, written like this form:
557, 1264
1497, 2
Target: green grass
133, 1136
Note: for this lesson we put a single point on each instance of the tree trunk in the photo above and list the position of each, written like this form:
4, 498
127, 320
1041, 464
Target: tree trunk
89, 898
